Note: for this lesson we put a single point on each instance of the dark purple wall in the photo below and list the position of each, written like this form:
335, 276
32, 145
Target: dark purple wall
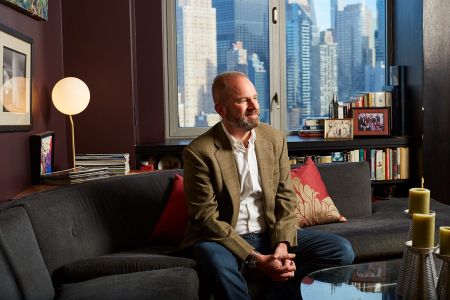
150, 76
124, 72
118, 51
47, 70
97, 50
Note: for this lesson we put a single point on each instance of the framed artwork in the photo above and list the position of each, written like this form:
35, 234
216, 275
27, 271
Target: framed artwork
38, 9
15, 80
338, 129
42, 147
371, 121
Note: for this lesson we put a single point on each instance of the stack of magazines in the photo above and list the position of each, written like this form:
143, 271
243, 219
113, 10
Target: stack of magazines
74, 175
117, 164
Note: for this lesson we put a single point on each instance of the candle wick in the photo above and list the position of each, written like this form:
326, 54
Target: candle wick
423, 181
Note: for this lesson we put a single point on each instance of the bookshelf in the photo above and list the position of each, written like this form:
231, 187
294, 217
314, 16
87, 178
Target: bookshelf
314, 144
300, 146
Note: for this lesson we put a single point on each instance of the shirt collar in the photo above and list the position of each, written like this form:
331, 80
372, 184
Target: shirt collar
235, 143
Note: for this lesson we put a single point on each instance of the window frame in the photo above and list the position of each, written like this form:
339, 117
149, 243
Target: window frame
277, 48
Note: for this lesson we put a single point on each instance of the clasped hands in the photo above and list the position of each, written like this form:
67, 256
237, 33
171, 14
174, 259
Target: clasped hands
279, 266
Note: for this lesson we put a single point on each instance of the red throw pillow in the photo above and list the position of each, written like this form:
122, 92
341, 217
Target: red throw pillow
172, 223
314, 205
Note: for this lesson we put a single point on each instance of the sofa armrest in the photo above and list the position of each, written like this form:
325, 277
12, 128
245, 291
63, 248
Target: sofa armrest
349, 186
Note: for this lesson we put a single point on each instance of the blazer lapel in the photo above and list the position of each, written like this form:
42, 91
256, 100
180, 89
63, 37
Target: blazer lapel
230, 176
264, 157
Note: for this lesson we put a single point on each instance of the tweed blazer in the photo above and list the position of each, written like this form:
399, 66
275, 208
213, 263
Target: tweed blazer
212, 189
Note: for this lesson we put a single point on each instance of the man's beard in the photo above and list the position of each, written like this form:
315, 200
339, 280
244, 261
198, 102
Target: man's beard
245, 123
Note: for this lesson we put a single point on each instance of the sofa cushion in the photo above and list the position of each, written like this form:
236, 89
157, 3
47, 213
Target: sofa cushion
175, 283
349, 186
98, 217
22, 269
118, 263
314, 205
382, 235
172, 222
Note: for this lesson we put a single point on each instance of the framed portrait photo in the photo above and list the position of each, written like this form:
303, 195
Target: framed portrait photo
373, 121
42, 147
338, 129
15, 80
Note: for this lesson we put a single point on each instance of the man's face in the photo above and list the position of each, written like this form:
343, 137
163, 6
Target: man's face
240, 110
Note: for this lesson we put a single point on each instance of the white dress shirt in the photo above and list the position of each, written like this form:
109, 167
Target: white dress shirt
251, 210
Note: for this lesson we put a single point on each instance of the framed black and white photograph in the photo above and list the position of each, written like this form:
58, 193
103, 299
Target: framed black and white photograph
42, 147
371, 121
15, 79
338, 129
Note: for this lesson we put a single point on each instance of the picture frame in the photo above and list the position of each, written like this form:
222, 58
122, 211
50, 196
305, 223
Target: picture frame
37, 9
338, 129
42, 147
371, 121
15, 80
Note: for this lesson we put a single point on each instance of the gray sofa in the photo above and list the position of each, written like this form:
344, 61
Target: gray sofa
91, 240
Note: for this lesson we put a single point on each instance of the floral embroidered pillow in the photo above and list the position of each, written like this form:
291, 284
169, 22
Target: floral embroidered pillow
314, 205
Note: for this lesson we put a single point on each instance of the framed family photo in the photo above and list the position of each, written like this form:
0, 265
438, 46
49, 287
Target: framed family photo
371, 121
42, 147
15, 80
338, 129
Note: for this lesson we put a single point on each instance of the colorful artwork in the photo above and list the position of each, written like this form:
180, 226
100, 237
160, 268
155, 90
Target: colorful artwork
46, 154
35, 8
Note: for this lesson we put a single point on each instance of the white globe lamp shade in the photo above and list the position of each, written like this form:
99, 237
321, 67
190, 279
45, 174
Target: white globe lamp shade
70, 95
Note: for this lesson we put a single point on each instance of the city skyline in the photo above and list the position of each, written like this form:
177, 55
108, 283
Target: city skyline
214, 36
323, 16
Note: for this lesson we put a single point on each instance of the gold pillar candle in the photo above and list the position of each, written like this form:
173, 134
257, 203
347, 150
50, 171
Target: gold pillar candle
444, 240
419, 201
423, 230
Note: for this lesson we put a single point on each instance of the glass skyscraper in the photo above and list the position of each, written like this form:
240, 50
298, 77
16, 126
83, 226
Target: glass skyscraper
197, 59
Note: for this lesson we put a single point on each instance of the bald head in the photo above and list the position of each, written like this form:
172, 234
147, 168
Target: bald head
223, 85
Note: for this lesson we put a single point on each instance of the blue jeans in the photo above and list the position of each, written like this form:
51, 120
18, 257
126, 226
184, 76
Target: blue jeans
223, 275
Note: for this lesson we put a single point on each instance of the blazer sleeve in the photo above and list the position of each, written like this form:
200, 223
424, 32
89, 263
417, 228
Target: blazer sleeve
205, 219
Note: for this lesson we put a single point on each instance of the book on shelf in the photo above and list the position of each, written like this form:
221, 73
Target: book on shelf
313, 127
385, 163
74, 175
115, 163
311, 133
389, 163
314, 122
373, 99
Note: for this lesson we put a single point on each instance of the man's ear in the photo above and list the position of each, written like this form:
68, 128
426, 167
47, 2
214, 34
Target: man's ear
219, 109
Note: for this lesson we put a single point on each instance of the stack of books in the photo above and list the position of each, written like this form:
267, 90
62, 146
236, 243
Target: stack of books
74, 175
312, 128
117, 164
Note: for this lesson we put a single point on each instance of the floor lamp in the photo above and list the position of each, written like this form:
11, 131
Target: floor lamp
71, 96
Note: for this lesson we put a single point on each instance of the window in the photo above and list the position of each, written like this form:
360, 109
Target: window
299, 54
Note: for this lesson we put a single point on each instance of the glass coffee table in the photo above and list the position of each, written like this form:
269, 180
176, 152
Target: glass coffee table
375, 280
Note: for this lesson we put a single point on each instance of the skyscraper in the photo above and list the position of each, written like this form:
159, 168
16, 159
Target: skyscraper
242, 20
246, 21
335, 6
380, 40
325, 81
197, 59
298, 63
354, 50
258, 75
237, 58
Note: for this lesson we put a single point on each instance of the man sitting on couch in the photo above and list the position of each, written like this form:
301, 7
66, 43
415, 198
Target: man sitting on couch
241, 203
